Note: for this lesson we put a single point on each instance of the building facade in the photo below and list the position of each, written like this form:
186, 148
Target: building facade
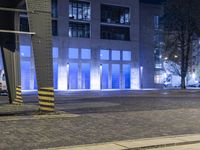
97, 45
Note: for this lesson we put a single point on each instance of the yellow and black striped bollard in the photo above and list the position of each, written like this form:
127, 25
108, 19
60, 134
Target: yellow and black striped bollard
18, 99
46, 99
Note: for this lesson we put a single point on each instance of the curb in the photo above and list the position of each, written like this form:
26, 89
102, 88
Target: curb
139, 144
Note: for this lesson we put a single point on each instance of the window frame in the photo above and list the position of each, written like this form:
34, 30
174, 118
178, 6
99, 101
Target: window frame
76, 4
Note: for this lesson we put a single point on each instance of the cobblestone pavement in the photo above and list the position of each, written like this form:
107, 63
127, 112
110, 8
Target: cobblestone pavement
101, 119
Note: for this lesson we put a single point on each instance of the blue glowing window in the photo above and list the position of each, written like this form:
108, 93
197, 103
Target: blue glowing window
85, 76
25, 51
73, 76
35, 81
25, 74
105, 76
127, 76
126, 55
115, 76
55, 74
55, 52
73, 53
115, 55
85, 53
104, 54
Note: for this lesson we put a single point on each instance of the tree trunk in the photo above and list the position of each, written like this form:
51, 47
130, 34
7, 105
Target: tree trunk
183, 81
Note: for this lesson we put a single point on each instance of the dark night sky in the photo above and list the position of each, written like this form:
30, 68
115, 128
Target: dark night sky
152, 1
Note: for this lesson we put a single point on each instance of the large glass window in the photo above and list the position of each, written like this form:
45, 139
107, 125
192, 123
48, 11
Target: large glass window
115, 14
54, 8
115, 76
24, 24
115, 55
25, 54
105, 76
55, 74
25, 51
25, 74
73, 76
115, 33
55, 67
127, 76
55, 52
85, 53
79, 10
79, 29
54, 27
73, 53
85, 71
126, 56
104, 54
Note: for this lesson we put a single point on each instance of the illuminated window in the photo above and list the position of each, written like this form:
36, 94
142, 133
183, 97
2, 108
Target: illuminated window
115, 55
73, 53
55, 52
25, 51
79, 10
159, 77
77, 29
104, 54
115, 14
85, 54
54, 8
115, 33
126, 55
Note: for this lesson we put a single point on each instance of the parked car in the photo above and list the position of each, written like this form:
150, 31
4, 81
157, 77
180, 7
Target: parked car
3, 86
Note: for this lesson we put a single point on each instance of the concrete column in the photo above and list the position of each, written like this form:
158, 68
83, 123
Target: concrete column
40, 23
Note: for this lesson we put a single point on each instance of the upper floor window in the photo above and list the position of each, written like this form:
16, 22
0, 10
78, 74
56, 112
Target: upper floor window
77, 29
54, 8
24, 24
79, 10
54, 27
115, 14
115, 33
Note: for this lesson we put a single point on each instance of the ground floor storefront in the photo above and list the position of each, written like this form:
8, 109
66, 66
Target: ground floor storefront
83, 68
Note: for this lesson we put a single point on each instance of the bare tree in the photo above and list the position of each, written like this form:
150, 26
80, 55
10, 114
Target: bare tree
181, 23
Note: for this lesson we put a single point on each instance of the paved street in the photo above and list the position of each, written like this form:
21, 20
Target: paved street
99, 117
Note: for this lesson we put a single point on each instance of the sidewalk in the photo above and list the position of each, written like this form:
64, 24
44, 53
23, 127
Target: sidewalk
182, 142
99, 120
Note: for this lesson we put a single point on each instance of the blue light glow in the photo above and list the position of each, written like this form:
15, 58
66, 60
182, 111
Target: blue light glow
115, 76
